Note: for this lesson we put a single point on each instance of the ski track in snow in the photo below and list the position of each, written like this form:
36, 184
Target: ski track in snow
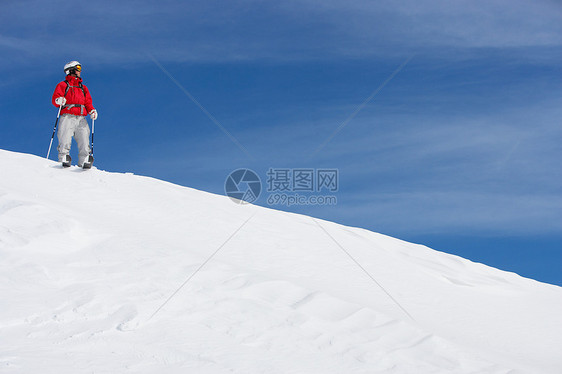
88, 257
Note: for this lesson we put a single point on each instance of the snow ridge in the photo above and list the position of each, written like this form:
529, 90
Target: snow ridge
113, 273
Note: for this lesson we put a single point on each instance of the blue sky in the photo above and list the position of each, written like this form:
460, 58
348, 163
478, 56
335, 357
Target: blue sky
459, 151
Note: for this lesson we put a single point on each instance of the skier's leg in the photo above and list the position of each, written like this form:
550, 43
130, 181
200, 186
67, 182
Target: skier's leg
64, 135
82, 136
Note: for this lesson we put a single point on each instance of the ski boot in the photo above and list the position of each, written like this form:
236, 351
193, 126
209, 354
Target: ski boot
88, 163
66, 161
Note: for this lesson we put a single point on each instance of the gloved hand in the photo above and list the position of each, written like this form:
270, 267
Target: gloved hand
94, 114
60, 101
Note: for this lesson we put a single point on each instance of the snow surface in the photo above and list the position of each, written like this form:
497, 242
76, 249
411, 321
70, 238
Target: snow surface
115, 273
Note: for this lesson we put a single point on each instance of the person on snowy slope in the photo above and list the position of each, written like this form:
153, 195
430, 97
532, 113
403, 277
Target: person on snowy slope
76, 103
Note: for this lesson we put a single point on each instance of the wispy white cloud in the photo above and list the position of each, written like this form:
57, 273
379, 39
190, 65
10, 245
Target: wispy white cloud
252, 30
455, 212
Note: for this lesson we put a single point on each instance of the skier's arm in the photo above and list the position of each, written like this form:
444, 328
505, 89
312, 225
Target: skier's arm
89, 105
59, 92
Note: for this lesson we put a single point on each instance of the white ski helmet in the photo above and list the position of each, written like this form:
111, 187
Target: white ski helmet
72, 65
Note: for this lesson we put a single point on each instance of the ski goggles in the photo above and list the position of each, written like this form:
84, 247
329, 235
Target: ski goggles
78, 67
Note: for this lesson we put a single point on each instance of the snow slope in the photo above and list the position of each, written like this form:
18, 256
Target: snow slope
116, 273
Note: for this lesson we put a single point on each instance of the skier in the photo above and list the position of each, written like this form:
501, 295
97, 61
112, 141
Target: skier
76, 103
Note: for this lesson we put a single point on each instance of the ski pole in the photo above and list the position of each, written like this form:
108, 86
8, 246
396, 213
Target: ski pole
54, 131
92, 150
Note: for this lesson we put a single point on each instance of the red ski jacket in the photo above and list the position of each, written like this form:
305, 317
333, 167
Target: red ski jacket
78, 99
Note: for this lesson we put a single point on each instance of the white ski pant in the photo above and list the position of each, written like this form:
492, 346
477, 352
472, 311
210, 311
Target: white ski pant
74, 126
